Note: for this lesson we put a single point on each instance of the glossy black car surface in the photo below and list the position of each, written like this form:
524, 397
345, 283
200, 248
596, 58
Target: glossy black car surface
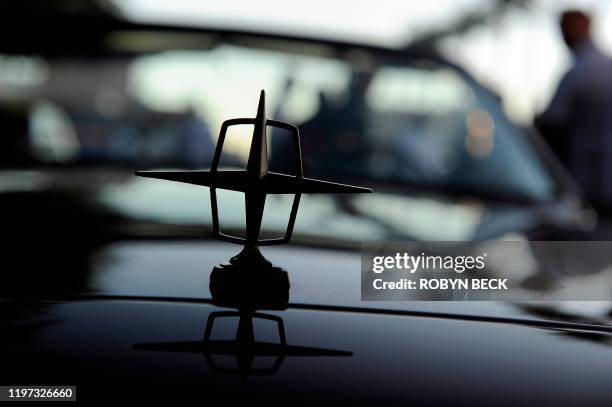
143, 334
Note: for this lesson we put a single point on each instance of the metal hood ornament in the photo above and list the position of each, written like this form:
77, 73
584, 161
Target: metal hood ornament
256, 182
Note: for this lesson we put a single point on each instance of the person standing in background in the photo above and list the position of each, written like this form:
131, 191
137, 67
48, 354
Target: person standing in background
578, 122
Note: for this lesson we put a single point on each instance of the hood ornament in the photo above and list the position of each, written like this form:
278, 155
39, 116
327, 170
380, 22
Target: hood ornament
256, 182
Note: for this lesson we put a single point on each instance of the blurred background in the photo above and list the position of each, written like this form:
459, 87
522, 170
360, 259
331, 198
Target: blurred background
512, 46
430, 104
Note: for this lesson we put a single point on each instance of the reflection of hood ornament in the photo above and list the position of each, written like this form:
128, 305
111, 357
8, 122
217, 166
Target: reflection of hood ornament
256, 182
244, 347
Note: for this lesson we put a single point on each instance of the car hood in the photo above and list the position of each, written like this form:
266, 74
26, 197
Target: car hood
146, 321
153, 349
324, 278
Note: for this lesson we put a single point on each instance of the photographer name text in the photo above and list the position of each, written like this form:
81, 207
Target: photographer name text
432, 264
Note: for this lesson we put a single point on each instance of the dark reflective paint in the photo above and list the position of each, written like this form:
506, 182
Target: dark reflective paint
412, 359
317, 276
63, 242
